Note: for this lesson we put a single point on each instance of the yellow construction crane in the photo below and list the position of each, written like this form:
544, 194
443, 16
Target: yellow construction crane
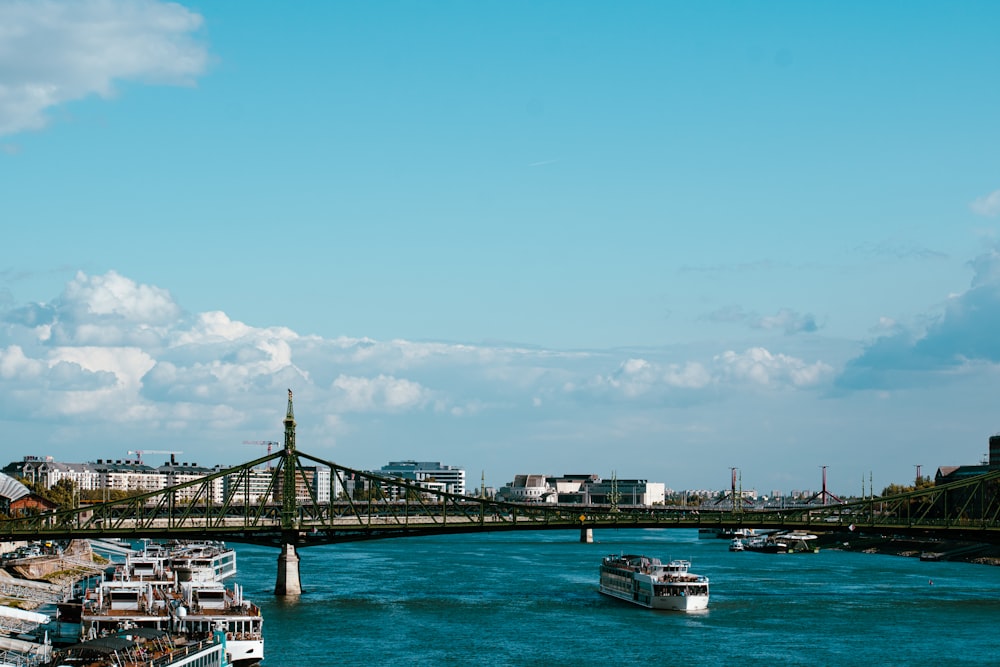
140, 452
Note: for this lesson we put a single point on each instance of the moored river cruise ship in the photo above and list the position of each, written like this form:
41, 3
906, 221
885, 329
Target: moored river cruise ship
649, 583
146, 592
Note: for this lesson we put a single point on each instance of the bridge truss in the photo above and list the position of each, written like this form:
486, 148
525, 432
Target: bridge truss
292, 503
221, 506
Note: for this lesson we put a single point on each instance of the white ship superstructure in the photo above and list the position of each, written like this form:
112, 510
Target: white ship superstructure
177, 591
203, 561
649, 583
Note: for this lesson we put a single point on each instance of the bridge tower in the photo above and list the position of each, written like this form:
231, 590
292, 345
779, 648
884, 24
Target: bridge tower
288, 582
825, 495
737, 496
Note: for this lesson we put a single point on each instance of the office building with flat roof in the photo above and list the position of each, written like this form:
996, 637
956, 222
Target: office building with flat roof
428, 474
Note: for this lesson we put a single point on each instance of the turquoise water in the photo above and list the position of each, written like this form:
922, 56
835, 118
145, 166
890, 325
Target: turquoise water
529, 598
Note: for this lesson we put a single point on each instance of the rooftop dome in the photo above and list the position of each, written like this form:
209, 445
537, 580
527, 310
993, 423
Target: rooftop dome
11, 489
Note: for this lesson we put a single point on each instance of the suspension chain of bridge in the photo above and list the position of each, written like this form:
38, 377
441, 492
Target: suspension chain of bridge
289, 511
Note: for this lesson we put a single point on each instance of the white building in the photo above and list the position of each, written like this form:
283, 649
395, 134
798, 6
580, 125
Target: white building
126, 475
583, 489
174, 473
258, 485
428, 474
626, 492
249, 487
49, 472
529, 489
318, 478
131, 476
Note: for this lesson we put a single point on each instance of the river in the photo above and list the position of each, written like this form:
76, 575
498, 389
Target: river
530, 598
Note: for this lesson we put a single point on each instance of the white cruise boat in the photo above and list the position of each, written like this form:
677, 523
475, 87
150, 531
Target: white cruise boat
649, 583
148, 592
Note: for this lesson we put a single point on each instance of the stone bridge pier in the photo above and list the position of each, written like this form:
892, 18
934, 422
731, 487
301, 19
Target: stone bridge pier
289, 582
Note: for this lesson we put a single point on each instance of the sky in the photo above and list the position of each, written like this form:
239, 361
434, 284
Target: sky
659, 240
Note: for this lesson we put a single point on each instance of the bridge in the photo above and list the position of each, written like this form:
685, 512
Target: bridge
286, 511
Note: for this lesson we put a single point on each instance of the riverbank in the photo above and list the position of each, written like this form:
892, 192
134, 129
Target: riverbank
928, 549
52, 574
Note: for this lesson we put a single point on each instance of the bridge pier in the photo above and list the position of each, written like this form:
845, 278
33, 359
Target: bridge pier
587, 535
289, 582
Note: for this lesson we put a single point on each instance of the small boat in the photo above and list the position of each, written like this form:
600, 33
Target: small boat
649, 583
784, 543
737, 545
726, 533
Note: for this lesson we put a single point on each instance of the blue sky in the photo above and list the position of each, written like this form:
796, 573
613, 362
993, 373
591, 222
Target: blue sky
657, 238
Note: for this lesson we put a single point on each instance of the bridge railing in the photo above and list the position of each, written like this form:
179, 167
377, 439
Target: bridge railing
246, 503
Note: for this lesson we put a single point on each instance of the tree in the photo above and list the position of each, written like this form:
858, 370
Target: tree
62, 493
896, 489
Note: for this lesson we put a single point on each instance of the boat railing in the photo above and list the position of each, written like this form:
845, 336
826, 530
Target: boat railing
12, 657
179, 652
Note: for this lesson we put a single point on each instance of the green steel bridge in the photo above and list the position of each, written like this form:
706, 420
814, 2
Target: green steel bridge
289, 514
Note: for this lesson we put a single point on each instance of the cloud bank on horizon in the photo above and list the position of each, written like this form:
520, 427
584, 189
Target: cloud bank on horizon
780, 378
113, 351
113, 357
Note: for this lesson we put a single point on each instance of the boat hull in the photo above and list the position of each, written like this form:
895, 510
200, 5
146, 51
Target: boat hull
661, 602
244, 653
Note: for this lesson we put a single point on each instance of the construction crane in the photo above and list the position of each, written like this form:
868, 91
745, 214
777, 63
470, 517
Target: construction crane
268, 443
140, 452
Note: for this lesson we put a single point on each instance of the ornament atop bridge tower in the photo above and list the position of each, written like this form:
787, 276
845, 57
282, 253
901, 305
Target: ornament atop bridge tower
290, 425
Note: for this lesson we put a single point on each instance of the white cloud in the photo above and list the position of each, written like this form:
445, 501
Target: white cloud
214, 325
633, 377
113, 295
787, 319
638, 376
885, 325
960, 338
101, 311
988, 205
382, 392
134, 339
14, 365
759, 366
126, 365
641, 377
53, 52
691, 375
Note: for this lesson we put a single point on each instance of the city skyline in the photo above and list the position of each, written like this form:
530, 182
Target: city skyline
658, 239
136, 474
